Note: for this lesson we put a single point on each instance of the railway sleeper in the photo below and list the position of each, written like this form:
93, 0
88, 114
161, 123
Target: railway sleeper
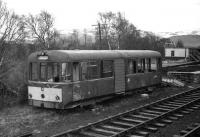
170, 105
114, 128
89, 134
148, 114
165, 106
123, 123
177, 115
172, 117
175, 103
132, 120
159, 124
184, 111
182, 101
103, 131
151, 128
167, 121
160, 109
153, 112
141, 117
140, 133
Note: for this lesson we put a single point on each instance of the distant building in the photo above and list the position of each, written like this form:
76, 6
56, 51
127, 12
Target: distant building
190, 50
176, 53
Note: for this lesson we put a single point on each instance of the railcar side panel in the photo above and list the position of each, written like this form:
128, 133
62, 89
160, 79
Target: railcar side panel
80, 90
67, 93
92, 88
119, 75
139, 80
101, 87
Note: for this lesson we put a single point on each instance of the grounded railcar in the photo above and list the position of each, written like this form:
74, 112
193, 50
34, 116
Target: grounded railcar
67, 78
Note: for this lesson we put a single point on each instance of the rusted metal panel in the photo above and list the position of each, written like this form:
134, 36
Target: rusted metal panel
92, 88
139, 80
76, 55
119, 75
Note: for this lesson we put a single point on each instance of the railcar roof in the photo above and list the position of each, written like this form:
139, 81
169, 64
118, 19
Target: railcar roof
75, 55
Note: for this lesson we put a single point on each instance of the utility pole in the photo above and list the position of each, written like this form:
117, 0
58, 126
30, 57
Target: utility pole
99, 29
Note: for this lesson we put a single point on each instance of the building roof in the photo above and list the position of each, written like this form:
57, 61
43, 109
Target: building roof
75, 55
189, 41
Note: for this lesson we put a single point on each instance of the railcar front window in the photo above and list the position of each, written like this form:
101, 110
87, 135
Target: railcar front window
56, 72
50, 73
43, 71
33, 71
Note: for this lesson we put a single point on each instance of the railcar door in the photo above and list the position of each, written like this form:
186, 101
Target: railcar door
119, 75
76, 82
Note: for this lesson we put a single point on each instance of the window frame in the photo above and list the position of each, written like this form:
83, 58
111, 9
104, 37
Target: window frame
103, 73
134, 66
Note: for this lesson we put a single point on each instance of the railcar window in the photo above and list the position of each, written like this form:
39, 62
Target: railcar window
131, 66
107, 70
56, 72
33, 71
141, 65
50, 72
93, 70
84, 70
66, 72
148, 64
43, 71
89, 70
154, 64
76, 69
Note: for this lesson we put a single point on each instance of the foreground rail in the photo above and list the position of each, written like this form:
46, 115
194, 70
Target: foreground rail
191, 131
143, 120
28, 134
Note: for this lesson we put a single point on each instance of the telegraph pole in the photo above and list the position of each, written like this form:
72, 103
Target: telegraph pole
99, 29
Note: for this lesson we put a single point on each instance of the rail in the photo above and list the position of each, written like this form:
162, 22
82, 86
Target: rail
143, 120
191, 131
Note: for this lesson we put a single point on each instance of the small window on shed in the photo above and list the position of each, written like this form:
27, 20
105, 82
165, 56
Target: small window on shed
141, 65
33, 71
107, 68
131, 66
172, 53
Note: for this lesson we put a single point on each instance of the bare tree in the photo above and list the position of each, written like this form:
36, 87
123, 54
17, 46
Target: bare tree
41, 28
12, 29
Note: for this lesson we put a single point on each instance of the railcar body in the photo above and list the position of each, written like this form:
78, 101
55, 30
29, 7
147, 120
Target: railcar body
67, 78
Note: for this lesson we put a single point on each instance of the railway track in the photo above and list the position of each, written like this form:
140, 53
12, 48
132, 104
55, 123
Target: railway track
191, 131
141, 121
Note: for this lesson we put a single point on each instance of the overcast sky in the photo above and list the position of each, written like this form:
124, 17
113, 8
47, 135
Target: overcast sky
149, 15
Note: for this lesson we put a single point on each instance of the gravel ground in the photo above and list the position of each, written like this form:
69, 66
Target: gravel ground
45, 122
